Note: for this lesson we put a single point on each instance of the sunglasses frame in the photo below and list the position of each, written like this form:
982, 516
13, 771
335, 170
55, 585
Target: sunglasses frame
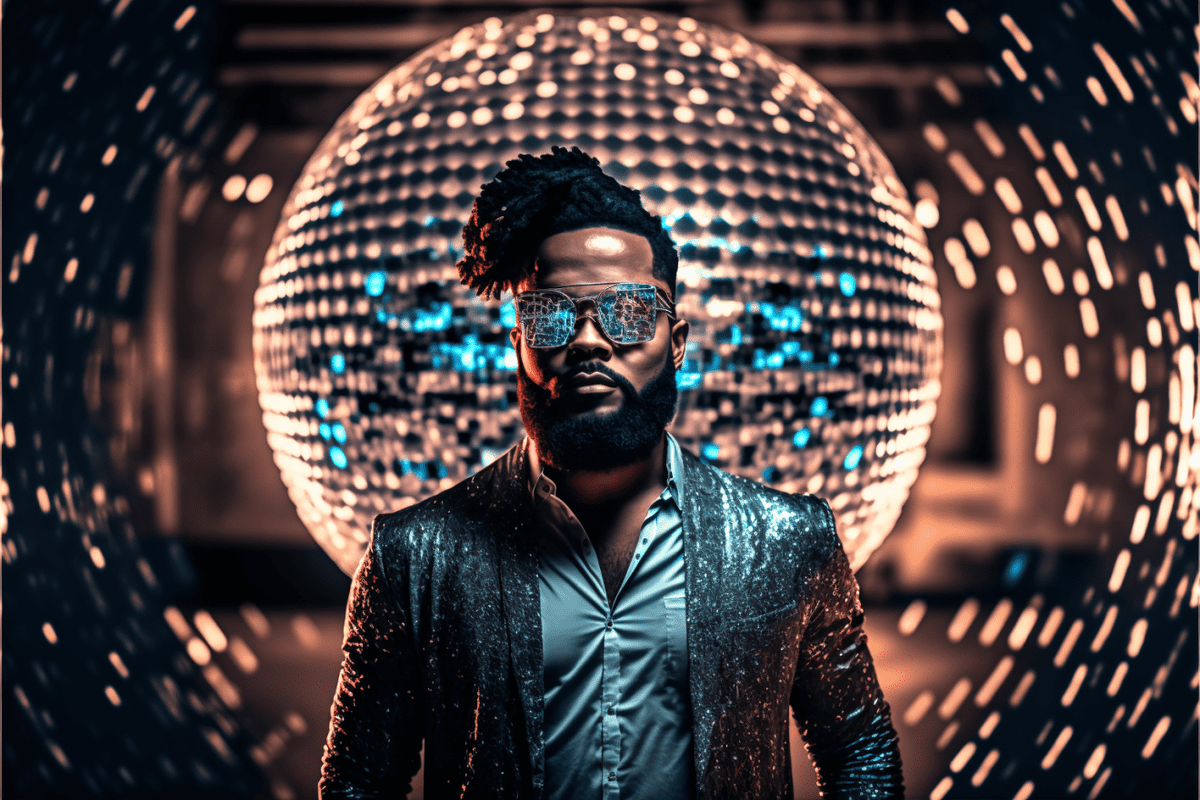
662, 303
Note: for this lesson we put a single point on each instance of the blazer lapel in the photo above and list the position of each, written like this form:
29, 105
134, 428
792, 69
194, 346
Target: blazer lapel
703, 549
518, 566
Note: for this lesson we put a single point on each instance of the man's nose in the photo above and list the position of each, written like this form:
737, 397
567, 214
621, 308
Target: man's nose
589, 338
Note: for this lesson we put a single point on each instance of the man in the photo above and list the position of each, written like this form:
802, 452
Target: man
598, 613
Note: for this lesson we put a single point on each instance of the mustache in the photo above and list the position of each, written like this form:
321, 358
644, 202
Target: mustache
593, 367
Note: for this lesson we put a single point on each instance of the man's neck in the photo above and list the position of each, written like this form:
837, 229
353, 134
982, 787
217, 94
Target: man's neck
582, 489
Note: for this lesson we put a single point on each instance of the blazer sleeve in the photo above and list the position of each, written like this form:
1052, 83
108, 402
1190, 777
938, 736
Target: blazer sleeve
842, 716
375, 733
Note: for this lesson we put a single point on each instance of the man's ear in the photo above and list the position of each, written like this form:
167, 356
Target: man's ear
679, 334
514, 336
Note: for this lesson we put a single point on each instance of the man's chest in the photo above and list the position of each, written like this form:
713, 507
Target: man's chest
611, 554
615, 549
634, 635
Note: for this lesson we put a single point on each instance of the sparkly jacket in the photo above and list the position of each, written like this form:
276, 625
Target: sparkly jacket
443, 646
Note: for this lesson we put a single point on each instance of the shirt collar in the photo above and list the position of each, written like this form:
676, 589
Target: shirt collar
540, 486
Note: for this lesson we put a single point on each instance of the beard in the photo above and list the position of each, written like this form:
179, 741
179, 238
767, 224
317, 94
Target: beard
598, 442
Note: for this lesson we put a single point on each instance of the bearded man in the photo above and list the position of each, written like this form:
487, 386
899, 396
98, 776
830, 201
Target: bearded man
599, 613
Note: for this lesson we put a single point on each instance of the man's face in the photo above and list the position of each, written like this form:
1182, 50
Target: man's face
592, 404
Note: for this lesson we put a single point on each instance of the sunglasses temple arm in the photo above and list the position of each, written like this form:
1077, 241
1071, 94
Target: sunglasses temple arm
668, 304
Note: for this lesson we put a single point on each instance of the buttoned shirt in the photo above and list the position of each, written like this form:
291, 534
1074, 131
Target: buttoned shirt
618, 719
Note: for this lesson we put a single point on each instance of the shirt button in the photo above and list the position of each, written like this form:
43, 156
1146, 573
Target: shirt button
608, 623
612, 776
611, 711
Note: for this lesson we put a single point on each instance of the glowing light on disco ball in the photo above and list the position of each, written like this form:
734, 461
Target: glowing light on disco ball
815, 349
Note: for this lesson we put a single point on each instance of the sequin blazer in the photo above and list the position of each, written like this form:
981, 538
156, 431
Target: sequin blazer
443, 647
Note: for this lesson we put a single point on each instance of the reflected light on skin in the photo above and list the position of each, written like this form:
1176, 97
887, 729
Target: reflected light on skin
604, 244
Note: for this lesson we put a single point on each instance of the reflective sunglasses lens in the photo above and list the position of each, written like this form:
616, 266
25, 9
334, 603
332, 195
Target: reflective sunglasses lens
628, 313
547, 319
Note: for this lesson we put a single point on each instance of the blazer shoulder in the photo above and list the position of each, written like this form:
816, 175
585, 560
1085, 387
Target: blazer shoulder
802, 512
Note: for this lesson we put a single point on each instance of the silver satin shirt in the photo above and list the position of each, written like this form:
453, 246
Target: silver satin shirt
618, 719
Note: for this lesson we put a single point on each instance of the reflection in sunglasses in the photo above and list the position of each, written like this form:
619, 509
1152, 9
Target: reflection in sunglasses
626, 313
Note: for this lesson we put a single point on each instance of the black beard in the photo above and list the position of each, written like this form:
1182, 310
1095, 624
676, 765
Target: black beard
593, 442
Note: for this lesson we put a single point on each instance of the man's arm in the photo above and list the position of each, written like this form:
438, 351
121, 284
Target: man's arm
840, 710
374, 743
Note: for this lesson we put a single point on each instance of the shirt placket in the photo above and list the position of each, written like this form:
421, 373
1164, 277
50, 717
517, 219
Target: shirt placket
610, 726
610, 676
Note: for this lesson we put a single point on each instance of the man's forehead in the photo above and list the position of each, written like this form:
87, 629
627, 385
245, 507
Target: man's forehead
596, 246
592, 255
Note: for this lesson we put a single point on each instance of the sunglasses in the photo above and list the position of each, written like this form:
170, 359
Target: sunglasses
626, 312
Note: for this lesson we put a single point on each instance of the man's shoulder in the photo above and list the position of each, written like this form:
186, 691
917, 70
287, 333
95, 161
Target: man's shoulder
761, 515
709, 483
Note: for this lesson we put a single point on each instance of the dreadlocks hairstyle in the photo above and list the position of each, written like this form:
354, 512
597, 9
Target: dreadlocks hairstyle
536, 197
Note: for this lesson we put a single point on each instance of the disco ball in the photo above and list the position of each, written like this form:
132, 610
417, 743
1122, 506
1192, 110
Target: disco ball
815, 345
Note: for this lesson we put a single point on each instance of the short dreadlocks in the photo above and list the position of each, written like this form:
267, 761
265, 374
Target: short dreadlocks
536, 197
